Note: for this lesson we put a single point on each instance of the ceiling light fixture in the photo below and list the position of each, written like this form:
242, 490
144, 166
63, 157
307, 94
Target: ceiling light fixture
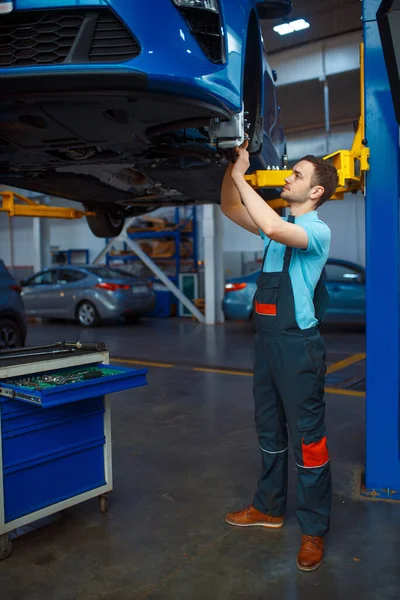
291, 27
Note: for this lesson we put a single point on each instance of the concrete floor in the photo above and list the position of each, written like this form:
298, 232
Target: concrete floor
185, 452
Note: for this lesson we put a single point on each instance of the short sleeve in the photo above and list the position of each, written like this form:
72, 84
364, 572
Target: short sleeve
262, 235
319, 238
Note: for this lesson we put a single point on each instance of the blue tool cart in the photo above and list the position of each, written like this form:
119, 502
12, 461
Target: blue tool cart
55, 430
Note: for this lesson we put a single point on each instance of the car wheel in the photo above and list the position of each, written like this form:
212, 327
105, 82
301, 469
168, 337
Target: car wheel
10, 335
87, 314
106, 222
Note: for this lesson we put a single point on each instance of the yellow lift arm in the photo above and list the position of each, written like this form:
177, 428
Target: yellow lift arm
18, 206
350, 164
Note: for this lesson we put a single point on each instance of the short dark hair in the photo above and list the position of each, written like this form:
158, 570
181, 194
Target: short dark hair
325, 174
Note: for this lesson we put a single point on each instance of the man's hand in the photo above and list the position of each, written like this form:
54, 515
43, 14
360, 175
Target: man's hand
242, 162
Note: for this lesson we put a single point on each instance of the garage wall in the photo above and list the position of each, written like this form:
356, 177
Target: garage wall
22, 236
345, 218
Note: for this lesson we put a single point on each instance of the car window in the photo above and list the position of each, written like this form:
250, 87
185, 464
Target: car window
342, 273
45, 278
104, 272
69, 275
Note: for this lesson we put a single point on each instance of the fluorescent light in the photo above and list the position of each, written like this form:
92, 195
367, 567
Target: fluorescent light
291, 27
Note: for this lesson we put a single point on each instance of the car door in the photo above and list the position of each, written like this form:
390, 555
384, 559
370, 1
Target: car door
69, 284
346, 286
39, 293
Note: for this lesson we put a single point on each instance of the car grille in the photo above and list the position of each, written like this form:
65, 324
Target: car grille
36, 38
205, 26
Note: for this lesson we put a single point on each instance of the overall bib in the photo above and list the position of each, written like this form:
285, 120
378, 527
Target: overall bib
289, 379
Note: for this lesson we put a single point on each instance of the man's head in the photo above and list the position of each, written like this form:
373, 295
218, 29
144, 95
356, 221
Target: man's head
313, 179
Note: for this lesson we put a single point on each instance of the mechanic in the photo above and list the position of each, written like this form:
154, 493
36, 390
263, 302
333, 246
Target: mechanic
289, 368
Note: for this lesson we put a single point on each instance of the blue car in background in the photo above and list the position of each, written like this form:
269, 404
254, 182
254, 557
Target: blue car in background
127, 105
344, 280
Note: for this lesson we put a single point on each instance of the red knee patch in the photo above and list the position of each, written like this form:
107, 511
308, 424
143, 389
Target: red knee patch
266, 309
315, 454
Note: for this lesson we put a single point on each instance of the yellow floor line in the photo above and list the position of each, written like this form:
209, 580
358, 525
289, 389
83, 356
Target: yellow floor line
337, 391
146, 363
342, 364
223, 371
344, 392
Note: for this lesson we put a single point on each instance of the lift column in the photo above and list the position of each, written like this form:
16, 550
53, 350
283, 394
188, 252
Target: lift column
382, 260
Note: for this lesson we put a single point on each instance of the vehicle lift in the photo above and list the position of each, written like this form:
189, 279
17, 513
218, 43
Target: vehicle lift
377, 137
16, 205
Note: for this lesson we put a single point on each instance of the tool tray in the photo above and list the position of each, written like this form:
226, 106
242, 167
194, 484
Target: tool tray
112, 379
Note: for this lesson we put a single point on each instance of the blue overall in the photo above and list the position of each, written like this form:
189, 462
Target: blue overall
289, 379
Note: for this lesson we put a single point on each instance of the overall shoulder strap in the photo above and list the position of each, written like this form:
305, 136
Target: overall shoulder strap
288, 252
265, 255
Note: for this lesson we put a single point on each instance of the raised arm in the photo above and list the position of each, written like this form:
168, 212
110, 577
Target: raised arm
262, 215
231, 204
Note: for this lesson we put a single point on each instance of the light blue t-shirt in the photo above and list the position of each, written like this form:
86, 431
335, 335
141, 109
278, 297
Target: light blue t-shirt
305, 267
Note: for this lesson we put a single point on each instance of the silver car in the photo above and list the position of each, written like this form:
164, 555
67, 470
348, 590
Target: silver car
87, 294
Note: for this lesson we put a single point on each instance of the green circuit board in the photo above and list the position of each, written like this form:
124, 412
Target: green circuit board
58, 378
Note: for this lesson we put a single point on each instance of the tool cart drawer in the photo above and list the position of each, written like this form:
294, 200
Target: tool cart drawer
55, 388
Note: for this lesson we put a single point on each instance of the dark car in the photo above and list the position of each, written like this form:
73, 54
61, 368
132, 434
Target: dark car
88, 294
127, 106
12, 311
344, 280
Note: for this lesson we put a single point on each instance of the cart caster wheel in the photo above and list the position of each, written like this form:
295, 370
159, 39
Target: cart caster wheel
103, 504
5, 549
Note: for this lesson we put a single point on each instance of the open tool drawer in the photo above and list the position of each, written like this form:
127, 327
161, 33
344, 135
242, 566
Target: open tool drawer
55, 438
40, 389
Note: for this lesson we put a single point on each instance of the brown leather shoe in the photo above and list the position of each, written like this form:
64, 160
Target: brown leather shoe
311, 553
251, 517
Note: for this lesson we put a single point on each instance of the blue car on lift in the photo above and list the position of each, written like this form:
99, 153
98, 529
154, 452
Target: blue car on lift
127, 105
344, 280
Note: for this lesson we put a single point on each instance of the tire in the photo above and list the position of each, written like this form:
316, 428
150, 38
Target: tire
5, 548
10, 335
103, 503
106, 223
87, 315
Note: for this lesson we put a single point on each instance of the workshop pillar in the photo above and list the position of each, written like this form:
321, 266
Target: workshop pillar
213, 264
382, 277
41, 242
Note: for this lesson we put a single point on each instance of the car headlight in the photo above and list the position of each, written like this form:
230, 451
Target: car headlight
204, 4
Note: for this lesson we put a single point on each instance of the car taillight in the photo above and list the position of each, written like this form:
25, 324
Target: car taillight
112, 287
17, 288
234, 287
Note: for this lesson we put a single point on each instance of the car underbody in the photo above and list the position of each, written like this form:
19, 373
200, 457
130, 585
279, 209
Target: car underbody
160, 154
113, 140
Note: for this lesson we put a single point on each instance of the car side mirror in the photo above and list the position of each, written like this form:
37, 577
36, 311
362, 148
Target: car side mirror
274, 9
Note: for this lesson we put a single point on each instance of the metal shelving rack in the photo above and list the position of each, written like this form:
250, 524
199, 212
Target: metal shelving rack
178, 233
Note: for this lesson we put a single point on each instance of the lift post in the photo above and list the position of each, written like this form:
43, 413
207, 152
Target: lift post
382, 474
19, 206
